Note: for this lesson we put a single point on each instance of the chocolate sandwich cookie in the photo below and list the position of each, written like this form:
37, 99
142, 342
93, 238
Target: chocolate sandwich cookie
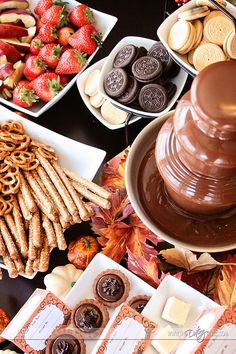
125, 56
171, 89
111, 287
173, 71
130, 93
153, 98
116, 82
147, 69
158, 51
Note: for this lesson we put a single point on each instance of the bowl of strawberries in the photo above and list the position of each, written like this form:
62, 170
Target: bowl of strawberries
44, 46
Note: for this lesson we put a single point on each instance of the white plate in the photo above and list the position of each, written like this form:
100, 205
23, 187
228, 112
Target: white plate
179, 80
171, 286
103, 23
164, 29
83, 288
79, 158
97, 111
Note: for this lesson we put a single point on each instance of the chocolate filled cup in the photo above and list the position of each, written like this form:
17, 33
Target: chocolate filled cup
65, 341
138, 302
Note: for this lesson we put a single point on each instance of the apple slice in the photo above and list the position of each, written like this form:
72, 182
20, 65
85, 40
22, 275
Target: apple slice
6, 70
13, 4
3, 58
12, 80
12, 31
31, 34
22, 47
16, 15
10, 51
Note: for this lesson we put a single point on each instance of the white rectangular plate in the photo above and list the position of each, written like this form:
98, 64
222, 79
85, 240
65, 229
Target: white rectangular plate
103, 23
164, 29
170, 286
83, 289
79, 158
97, 111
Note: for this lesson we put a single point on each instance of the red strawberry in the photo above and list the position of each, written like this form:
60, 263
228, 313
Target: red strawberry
65, 79
86, 39
39, 24
71, 62
81, 15
33, 67
35, 45
50, 54
48, 33
63, 34
43, 5
24, 95
56, 15
47, 86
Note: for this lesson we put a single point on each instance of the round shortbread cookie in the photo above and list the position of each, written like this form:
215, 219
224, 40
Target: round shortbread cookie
179, 34
212, 14
225, 45
90, 86
113, 114
209, 4
199, 31
194, 13
217, 28
207, 54
191, 41
96, 100
190, 56
231, 45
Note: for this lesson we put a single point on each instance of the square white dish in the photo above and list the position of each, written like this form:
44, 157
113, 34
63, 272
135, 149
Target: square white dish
77, 157
97, 111
83, 288
171, 286
103, 23
179, 80
164, 29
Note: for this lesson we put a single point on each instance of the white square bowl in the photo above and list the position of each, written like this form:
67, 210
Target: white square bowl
164, 29
97, 111
103, 23
179, 80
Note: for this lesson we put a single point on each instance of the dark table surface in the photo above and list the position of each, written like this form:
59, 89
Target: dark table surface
71, 118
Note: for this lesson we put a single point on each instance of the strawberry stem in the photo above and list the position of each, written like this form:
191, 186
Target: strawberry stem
98, 38
28, 96
54, 85
81, 57
89, 15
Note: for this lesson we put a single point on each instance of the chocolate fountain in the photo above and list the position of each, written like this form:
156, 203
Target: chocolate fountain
192, 193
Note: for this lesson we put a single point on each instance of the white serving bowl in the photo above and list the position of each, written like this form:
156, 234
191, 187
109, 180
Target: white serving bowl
164, 29
103, 23
179, 80
142, 144
97, 111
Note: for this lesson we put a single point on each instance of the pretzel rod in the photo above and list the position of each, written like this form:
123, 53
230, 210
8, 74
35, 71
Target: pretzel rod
11, 268
29, 267
65, 225
60, 236
101, 202
75, 220
49, 230
1, 275
27, 215
44, 257
35, 225
41, 196
58, 184
22, 239
89, 208
3, 250
37, 262
12, 227
10, 245
27, 195
51, 216
32, 254
88, 184
54, 194
19, 265
74, 195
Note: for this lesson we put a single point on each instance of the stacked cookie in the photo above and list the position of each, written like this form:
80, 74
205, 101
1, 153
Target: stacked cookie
204, 34
140, 78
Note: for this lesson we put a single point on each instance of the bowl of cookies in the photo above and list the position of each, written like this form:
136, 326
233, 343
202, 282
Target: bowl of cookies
140, 77
199, 34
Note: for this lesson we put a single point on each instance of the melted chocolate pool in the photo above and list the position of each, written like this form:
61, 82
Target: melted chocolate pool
199, 230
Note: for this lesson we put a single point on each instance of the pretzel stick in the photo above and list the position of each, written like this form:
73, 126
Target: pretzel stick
32, 249
19, 265
44, 257
41, 206
37, 262
58, 184
101, 202
10, 245
88, 184
27, 195
35, 225
65, 225
11, 268
22, 239
3, 250
54, 194
49, 230
60, 236
41, 196
12, 227
89, 208
23, 207
29, 267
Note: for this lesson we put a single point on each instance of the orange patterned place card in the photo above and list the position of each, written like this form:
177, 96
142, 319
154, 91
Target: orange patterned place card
127, 332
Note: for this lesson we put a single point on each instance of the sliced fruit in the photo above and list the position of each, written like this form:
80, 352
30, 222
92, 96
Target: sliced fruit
6, 70
16, 15
22, 47
13, 4
31, 34
12, 80
24, 95
3, 58
10, 51
12, 31
6, 92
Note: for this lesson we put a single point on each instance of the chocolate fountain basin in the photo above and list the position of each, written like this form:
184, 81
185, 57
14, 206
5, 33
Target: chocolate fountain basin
143, 147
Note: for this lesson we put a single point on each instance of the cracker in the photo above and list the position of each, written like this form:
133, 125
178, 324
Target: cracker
191, 41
